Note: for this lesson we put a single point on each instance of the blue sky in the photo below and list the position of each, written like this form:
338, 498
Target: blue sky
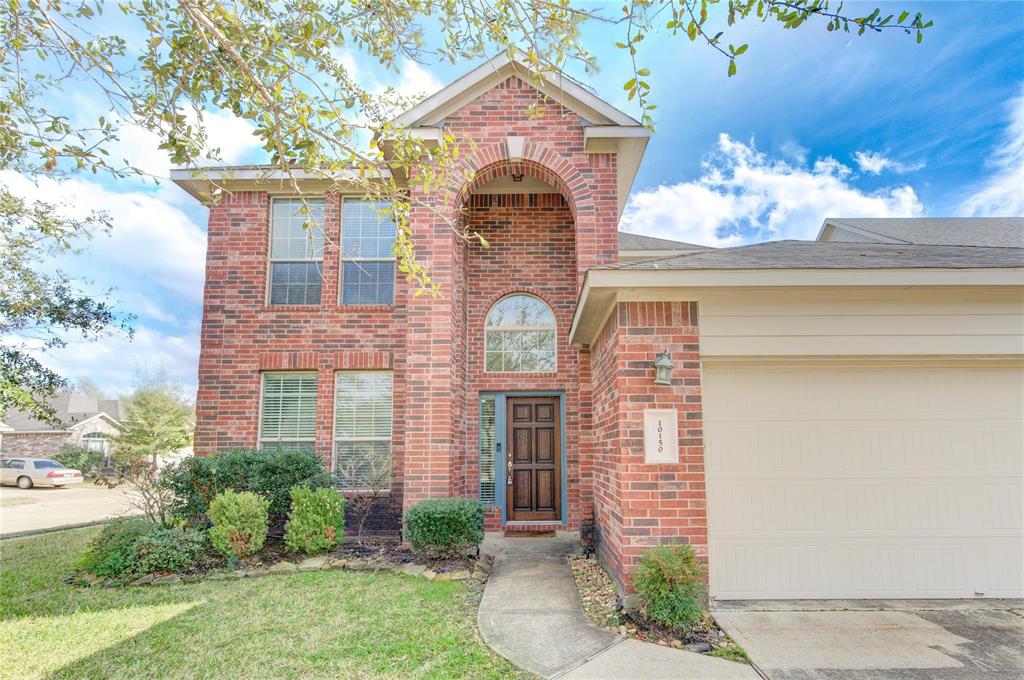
815, 124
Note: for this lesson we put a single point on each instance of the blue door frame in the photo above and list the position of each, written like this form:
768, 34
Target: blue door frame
501, 446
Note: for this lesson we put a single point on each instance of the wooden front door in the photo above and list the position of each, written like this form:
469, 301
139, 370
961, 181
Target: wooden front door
534, 460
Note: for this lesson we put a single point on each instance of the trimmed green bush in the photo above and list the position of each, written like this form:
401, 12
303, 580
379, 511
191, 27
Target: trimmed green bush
112, 554
80, 458
445, 527
168, 549
317, 520
196, 481
669, 579
239, 523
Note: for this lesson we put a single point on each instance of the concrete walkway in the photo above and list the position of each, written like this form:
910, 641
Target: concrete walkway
42, 508
531, 615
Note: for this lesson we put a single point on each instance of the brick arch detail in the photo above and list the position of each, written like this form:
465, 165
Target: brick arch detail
492, 161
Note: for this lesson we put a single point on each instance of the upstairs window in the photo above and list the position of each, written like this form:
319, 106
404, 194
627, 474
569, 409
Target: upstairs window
288, 411
362, 430
367, 253
296, 251
519, 336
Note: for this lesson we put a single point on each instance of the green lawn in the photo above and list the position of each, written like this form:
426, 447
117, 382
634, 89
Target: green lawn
310, 625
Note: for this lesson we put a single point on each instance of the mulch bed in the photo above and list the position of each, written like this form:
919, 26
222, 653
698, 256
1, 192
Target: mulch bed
603, 605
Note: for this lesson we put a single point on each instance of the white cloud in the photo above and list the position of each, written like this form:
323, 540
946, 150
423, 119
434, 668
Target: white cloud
232, 136
416, 81
114, 361
744, 196
152, 244
1002, 193
876, 162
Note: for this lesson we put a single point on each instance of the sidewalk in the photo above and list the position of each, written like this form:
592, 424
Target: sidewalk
530, 614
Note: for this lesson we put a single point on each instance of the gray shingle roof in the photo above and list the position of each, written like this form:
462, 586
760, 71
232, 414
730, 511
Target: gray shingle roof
70, 407
995, 232
629, 241
836, 255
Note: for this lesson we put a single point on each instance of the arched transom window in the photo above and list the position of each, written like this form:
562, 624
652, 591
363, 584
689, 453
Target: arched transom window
519, 335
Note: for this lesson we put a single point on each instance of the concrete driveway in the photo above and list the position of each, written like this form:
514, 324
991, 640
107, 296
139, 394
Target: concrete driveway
48, 508
880, 640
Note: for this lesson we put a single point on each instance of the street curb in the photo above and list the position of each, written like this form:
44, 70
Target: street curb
52, 530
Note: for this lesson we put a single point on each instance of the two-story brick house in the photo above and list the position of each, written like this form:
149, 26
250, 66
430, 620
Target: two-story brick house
530, 382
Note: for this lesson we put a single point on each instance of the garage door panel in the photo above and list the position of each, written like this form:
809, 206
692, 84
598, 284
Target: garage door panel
864, 481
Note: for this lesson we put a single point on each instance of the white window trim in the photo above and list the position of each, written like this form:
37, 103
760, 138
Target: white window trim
334, 428
346, 258
512, 329
259, 420
271, 260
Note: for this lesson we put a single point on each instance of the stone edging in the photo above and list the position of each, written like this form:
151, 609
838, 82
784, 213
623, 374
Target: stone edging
478, 571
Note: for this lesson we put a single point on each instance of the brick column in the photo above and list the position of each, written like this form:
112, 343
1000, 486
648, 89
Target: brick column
429, 369
637, 505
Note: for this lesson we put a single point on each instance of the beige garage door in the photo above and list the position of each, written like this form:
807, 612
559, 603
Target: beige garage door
865, 480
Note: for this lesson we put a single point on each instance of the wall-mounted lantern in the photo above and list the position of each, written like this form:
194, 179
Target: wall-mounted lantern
517, 177
663, 369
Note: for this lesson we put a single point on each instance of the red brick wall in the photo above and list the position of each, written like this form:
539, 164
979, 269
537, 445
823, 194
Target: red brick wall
638, 506
243, 336
33, 444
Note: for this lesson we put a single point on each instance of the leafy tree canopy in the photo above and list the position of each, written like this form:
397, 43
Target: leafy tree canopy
159, 420
278, 66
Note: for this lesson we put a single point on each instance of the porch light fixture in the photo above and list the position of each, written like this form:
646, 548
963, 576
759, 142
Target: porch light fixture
663, 369
517, 177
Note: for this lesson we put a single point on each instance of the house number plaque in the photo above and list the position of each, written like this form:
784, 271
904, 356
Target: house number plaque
661, 435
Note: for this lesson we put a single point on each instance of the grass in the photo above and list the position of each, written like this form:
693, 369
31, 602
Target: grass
309, 625
731, 652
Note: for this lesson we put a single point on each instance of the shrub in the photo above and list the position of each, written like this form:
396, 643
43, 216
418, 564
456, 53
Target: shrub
445, 527
196, 481
276, 471
317, 520
239, 523
168, 549
112, 553
669, 579
80, 458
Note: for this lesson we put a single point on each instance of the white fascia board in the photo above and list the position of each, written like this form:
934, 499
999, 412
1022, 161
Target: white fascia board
602, 287
201, 182
614, 131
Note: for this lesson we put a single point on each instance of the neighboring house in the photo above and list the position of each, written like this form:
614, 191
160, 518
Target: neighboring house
81, 420
993, 232
831, 419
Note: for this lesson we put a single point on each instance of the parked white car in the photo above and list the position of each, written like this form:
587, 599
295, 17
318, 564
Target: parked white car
28, 472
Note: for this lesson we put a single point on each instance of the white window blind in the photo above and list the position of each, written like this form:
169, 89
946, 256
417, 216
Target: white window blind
296, 251
288, 411
487, 455
362, 430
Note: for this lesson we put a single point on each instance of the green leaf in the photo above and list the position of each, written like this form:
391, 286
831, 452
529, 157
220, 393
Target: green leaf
732, 68
643, 72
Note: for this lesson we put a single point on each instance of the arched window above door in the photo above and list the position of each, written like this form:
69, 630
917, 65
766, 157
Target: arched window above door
519, 336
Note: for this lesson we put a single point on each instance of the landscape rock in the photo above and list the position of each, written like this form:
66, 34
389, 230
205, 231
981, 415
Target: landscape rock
312, 564
412, 569
191, 578
143, 580
460, 575
358, 564
339, 563
282, 568
631, 603
166, 580
698, 647
430, 574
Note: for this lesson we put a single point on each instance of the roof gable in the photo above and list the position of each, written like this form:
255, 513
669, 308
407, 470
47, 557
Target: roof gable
559, 87
993, 232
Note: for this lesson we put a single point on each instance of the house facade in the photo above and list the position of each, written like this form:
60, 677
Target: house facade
776, 439
80, 420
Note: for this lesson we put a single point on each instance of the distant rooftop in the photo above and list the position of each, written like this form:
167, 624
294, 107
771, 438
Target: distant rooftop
629, 241
70, 408
994, 232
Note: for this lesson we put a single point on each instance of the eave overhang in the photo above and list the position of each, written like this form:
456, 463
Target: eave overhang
604, 288
205, 184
